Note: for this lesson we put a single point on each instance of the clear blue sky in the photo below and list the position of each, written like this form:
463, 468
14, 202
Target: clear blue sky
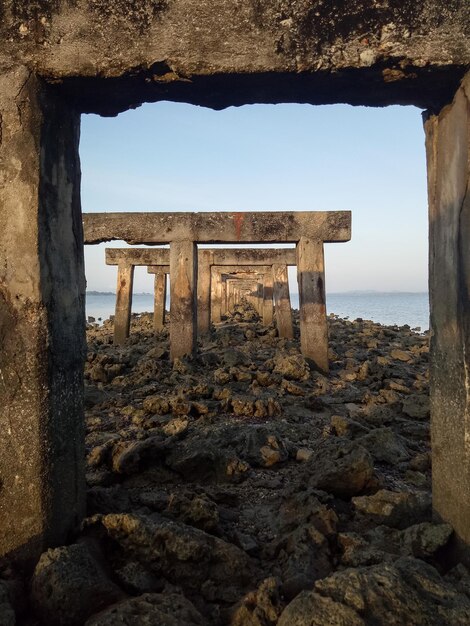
177, 157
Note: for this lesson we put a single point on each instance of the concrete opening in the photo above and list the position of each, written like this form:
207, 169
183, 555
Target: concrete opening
282, 55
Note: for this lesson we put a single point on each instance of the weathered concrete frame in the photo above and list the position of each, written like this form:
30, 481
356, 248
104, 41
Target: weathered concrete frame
223, 55
220, 275
280, 257
309, 230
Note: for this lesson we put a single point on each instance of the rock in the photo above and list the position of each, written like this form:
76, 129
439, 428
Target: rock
198, 511
341, 467
393, 508
157, 405
69, 585
311, 609
259, 608
260, 447
303, 556
7, 613
128, 457
136, 579
409, 591
151, 609
175, 426
417, 406
421, 462
234, 358
423, 540
303, 454
345, 427
384, 445
184, 555
292, 367
401, 355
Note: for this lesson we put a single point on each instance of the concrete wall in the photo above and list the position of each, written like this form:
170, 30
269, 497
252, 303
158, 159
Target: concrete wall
448, 154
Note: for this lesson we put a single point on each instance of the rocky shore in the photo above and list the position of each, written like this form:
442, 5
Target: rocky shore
241, 487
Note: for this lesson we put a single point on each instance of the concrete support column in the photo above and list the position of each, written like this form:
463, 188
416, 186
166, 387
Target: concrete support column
159, 305
223, 296
268, 298
282, 303
216, 297
183, 299
312, 301
259, 299
42, 318
448, 157
122, 316
230, 298
204, 291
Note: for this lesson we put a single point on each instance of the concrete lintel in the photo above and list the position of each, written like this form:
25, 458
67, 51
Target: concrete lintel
219, 227
231, 256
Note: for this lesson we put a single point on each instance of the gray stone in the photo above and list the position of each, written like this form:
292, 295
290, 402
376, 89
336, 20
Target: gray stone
150, 609
340, 467
69, 585
393, 508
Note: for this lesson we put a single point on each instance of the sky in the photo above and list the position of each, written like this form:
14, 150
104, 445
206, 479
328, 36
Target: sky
176, 157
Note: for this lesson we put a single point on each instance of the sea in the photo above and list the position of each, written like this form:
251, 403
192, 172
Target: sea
390, 308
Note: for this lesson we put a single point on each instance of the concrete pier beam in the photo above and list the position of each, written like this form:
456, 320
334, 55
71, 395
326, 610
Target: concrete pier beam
122, 315
183, 298
312, 302
282, 304
42, 318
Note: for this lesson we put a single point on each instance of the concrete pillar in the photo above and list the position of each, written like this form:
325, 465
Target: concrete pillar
230, 296
183, 298
312, 302
282, 305
224, 296
159, 306
204, 291
216, 297
42, 318
448, 157
259, 299
122, 316
268, 298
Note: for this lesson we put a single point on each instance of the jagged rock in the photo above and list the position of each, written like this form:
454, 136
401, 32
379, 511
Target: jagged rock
416, 406
292, 367
156, 404
409, 591
384, 445
128, 456
151, 609
395, 509
69, 585
233, 358
341, 467
423, 540
261, 607
7, 613
182, 554
312, 609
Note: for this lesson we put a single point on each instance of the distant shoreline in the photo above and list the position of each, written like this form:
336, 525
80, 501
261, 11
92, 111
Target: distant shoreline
330, 293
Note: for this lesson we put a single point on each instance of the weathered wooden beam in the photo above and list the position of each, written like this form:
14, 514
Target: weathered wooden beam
263, 227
